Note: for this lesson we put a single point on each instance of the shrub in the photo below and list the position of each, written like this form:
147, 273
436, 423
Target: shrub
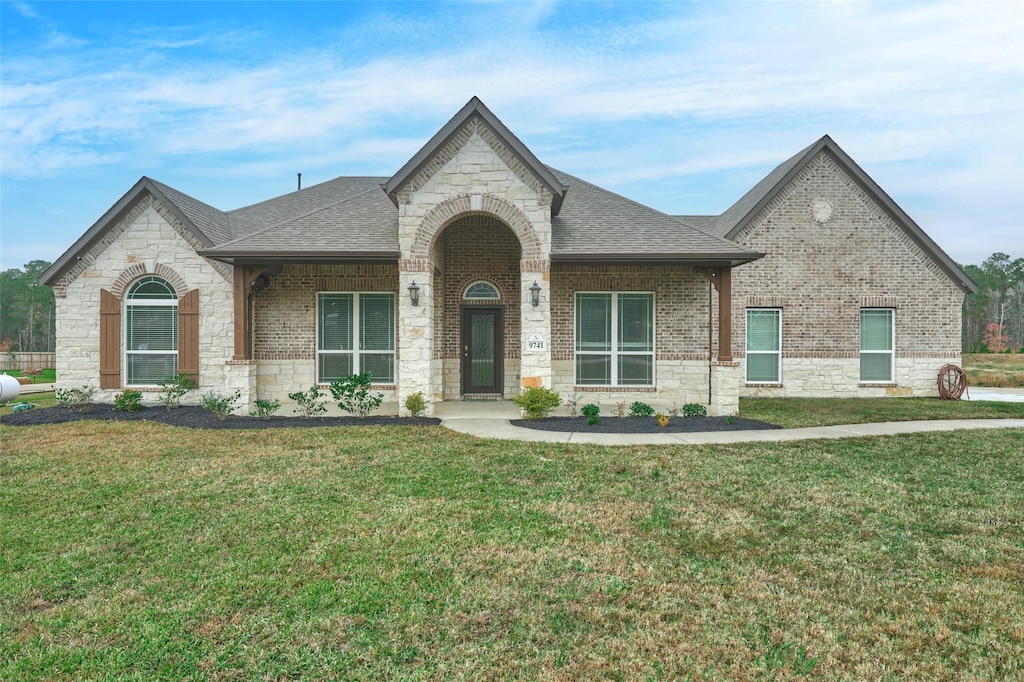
128, 401
265, 408
308, 403
572, 404
592, 412
537, 402
694, 410
353, 394
78, 399
175, 388
639, 409
416, 403
220, 405
662, 419
620, 409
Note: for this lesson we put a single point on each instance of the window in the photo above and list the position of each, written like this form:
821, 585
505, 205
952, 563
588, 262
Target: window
151, 332
877, 339
615, 339
764, 346
481, 291
355, 334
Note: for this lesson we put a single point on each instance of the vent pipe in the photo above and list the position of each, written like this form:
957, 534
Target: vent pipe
300, 180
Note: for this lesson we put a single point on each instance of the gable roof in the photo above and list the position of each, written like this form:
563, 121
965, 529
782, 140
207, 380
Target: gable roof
474, 107
739, 215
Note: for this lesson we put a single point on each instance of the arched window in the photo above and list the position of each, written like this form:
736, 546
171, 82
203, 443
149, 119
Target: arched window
481, 291
151, 332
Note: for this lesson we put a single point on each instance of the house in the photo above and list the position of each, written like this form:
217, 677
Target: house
476, 270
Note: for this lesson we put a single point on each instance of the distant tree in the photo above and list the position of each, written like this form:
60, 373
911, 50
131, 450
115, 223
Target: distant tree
993, 318
27, 309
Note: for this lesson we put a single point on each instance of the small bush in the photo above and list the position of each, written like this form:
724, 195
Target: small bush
416, 404
592, 412
639, 409
694, 410
353, 394
572, 404
264, 409
663, 419
220, 405
78, 399
308, 403
537, 402
175, 388
620, 409
128, 401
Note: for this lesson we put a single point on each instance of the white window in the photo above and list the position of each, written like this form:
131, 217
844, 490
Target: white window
764, 346
355, 334
615, 339
151, 332
481, 291
877, 340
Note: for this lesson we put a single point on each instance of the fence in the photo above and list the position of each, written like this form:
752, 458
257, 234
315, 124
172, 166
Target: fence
29, 362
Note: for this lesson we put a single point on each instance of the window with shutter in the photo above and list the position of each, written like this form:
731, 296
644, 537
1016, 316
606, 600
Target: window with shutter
615, 339
150, 332
764, 346
877, 343
355, 334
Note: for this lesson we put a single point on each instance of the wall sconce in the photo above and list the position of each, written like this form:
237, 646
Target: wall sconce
414, 293
535, 294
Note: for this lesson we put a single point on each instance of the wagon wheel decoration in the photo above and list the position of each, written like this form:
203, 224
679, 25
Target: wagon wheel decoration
952, 382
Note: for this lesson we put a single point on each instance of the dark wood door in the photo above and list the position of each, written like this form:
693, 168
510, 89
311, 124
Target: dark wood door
482, 350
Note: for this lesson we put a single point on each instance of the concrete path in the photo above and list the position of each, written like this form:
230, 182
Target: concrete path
1003, 395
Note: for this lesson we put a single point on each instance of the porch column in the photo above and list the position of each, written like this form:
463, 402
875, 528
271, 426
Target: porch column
535, 324
417, 369
240, 370
725, 372
724, 286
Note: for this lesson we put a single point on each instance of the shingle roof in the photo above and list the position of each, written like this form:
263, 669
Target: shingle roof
211, 221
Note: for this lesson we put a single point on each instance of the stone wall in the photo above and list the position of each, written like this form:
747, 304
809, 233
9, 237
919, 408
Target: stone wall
822, 271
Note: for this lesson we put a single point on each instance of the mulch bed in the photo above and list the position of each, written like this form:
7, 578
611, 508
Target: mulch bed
198, 418
642, 424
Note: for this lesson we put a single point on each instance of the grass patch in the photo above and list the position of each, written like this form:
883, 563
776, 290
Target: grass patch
999, 370
40, 399
145, 551
46, 376
800, 412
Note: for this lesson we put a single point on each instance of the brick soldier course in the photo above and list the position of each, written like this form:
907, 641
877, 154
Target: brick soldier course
817, 240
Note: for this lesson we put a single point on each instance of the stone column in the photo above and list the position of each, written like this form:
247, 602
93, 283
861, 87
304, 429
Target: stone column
416, 335
725, 389
535, 324
240, 375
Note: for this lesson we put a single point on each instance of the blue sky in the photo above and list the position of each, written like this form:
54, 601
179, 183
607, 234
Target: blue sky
681, 106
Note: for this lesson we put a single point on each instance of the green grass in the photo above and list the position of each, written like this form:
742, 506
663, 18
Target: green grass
994, 369
147, 552
46, 376
800, 412
40, 399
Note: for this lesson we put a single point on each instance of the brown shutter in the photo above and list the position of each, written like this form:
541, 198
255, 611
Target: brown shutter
188, 335
110, 340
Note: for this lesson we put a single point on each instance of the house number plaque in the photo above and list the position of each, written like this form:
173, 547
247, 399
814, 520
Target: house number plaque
536, 342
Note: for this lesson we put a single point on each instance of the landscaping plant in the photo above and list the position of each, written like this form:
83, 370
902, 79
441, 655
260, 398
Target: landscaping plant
175, 388
416, 404
78, 399
592, 412
537, 402
694, 410
264, 409
353, 394
128, 400
308, 403
639, 409
220, 405
663, 419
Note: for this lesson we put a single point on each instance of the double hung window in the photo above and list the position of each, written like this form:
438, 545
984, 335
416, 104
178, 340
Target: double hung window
615, 339
764, 346
151, 332
877, 341
355, 334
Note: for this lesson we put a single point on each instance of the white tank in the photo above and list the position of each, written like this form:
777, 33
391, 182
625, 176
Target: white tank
9, 388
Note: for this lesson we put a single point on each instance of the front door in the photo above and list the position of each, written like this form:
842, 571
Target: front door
482, 350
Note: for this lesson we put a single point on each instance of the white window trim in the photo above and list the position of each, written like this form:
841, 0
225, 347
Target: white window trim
777, 353
356, 350
891, 352
469, 286
145, 303
615, 352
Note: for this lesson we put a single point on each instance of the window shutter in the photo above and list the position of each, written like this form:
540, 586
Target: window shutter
188, 335
110, 340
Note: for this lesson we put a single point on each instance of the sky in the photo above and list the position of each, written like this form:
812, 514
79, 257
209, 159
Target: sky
679, 106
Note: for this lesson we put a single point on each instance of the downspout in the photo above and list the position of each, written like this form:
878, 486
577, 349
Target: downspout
711, 288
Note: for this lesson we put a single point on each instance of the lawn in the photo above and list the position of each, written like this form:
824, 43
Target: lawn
46, 376
994, 369
147, 552
798, 412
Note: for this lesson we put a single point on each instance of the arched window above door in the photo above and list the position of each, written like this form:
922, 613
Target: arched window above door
481, 291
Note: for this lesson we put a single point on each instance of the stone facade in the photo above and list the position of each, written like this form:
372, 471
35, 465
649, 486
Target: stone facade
833, 250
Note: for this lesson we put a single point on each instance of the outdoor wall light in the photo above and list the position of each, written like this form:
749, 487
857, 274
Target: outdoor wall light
414, 293
535, 294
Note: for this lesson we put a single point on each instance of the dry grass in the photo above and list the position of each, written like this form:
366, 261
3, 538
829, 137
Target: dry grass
134, 550
998, 370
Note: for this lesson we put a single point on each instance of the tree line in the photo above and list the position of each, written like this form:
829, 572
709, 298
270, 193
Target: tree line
994, 317
27, 321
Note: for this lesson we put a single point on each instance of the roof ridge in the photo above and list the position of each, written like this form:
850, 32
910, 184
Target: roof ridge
305, 189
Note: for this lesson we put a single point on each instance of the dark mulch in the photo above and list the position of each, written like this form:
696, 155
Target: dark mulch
198, 418
643, 424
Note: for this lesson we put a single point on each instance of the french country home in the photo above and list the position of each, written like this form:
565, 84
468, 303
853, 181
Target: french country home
476, 270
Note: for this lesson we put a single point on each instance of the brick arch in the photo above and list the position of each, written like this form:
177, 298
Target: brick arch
450, 210
136, 270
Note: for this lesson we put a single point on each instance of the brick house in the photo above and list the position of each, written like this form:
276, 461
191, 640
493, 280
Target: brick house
477, 270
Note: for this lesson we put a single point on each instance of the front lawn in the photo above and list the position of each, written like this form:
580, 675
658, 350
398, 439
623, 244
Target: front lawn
145, 551
799, 412
994, 369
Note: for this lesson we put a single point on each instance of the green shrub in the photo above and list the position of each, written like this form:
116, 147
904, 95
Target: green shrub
353, 394
175, 388
265, 408
308, 403
639, 409
694, 410
128, 401
220, 405
416, 404
78, 399
592, 412
537, 402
